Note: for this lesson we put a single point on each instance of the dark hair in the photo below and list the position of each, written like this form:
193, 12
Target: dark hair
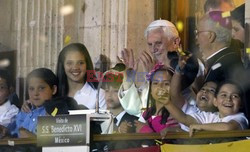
45, 74
241, 91
215, 4
112, 80
63, 105
238, 14
62, 77
4, 74
151, 107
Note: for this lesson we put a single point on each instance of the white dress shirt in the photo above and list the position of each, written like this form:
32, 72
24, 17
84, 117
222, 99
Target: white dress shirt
209, 117
215, 53
87, 97
8, 113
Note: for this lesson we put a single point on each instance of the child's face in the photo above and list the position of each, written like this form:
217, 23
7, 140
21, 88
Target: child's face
228, 100
160, 86
111, 97
75, 66
205, 97
39, 91
238, 31
4, 91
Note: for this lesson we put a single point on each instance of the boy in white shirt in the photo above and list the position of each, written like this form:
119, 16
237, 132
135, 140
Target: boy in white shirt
8, 111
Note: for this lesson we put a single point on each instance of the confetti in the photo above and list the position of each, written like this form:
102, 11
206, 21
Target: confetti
54, 112
181, 52
67, 40
226, 14
180, 26
66, 10
248, 50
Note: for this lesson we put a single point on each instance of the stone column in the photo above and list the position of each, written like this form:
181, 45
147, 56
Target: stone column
247, 29
40, 29
108, 26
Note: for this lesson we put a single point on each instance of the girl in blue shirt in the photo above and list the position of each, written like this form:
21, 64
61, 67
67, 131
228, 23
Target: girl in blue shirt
42, 86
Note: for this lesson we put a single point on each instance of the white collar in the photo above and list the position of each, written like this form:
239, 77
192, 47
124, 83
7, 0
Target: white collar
119, 117
215, 53
86, 89
5, 106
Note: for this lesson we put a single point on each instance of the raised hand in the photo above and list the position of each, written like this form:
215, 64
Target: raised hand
146, 61
131, 67
183, 57
129, 59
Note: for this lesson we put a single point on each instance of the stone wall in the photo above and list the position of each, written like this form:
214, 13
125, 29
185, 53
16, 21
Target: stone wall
39, 29
5, 24
247, 34
247, 11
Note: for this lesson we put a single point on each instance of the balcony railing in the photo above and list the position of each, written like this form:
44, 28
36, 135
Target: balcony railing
138, 136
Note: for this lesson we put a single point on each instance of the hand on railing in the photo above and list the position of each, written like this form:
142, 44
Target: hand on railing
125, 127
3, 132
24, 133
165, 131
193, 128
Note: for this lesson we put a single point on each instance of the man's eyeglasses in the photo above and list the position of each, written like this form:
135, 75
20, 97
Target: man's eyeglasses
196, 32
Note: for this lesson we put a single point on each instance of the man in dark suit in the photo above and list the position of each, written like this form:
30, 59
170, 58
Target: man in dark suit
213, 36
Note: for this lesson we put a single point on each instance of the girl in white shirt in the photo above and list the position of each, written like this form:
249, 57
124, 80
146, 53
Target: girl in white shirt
228, 100
77, 76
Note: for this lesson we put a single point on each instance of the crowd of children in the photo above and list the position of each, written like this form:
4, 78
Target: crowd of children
164, 106
69, 90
